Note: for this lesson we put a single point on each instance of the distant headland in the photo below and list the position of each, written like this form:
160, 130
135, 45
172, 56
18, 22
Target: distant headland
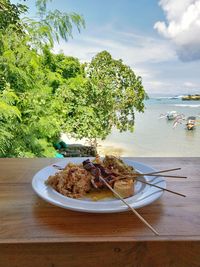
191, 97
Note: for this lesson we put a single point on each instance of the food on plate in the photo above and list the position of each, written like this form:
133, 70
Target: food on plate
117, 164
124, 187
73, 181
86, 179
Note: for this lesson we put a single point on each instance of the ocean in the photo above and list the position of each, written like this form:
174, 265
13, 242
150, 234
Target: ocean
153, 136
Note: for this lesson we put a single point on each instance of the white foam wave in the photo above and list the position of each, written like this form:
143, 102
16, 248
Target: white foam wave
164, 97
187, 105
168, 97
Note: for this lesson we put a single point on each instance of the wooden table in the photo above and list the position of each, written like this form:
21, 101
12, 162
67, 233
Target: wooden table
36, 233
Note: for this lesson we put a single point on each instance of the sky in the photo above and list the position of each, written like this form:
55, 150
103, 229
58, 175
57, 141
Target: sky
158, 39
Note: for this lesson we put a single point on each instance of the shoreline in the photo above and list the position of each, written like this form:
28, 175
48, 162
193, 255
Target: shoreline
102, 149
153, 137
113, 148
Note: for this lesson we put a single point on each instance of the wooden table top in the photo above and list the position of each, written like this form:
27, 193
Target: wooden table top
26, 218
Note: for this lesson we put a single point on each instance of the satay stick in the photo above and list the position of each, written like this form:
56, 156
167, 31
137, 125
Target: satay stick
144, 182
157, 175
131, 208
168, 170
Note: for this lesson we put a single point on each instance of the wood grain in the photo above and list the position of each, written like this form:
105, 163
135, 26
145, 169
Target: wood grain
30, 226
129, 254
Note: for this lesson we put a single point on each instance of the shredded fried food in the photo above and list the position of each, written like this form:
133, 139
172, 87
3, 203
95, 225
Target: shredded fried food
75, 181
114, 163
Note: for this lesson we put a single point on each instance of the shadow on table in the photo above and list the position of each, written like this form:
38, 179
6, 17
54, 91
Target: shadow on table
61, 222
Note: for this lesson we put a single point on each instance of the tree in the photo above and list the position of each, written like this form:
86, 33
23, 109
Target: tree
51, 26
22, 71
43, 94
106, 97
28, 122
10, 15
59, 68
9, 113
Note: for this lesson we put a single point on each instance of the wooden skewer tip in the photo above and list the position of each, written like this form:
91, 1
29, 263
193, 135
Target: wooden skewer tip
131, 208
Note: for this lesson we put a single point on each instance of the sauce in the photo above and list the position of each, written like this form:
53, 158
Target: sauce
99, 195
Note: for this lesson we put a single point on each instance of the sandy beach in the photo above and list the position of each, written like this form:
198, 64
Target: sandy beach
153, 137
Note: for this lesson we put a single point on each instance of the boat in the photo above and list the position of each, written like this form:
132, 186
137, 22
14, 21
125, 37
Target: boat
171, 115
191, 123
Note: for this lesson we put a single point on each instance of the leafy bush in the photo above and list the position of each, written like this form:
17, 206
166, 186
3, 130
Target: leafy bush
43, 94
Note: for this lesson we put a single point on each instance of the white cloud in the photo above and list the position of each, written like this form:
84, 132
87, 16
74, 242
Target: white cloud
191, 85
131, 48
136, 50
151, 58
182, 27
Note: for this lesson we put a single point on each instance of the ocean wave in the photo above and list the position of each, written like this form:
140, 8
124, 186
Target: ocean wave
164, 97
167, 97
187, 105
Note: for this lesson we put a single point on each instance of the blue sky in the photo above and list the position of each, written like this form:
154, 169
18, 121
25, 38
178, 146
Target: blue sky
158, 39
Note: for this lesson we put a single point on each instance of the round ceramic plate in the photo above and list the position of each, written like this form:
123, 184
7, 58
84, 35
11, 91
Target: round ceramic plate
144, 194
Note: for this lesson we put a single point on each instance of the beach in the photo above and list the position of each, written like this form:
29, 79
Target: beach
152, 136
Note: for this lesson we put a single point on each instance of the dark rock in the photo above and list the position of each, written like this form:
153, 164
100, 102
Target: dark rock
76, 150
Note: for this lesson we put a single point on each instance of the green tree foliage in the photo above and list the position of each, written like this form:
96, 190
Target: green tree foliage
28, 122
120, 91
10, 15
21, 69
59, 68
51, 25
43, 94
106, 97
9, 114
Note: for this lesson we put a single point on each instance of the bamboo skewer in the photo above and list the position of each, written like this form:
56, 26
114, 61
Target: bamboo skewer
157, 175
135, 175
168, 170
144, 182
131, 208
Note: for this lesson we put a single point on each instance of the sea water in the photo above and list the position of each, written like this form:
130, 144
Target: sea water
153, 136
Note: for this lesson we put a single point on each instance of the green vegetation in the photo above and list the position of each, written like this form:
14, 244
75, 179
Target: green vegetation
43, 94
191, 97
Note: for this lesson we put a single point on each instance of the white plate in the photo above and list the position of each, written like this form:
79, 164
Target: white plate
144, 194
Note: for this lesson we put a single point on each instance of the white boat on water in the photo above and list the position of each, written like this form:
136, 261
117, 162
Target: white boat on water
171, 115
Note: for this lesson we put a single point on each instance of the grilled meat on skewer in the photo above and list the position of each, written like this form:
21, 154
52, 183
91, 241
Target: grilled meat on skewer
97, 170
